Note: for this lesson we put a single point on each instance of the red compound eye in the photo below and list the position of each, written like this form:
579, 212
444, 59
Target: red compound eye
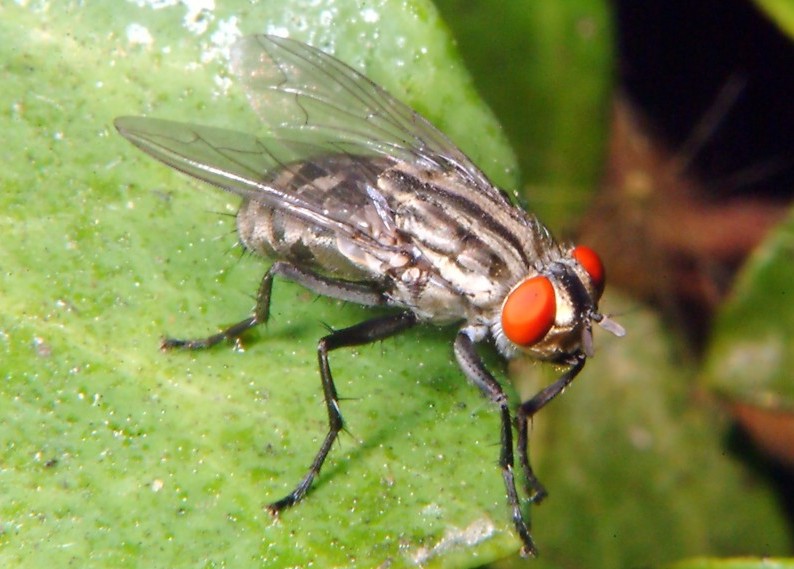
529, 311
591, 262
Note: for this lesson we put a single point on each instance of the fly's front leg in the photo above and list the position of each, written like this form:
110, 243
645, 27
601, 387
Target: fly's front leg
363, 333
526, 411
359, 293
471, 364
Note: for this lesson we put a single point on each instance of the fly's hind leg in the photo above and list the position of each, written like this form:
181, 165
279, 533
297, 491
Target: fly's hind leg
360, 293
363, 333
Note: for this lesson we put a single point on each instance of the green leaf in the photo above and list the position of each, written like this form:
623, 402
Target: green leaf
750, 357
781, 12
117, 455
751, 354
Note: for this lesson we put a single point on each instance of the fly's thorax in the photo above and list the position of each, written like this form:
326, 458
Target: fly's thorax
549, 314
468, 244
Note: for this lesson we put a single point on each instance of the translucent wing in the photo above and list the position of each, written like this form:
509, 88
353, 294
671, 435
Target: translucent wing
249, 166
304, 94
314, 106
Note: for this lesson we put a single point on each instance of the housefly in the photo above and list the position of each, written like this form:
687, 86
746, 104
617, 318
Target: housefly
357, 197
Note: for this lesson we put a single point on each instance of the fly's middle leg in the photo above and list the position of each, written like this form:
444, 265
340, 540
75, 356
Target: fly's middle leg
363, 333
361, 293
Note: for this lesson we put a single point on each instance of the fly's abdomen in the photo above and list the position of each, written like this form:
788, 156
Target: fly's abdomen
361, 246
277, 235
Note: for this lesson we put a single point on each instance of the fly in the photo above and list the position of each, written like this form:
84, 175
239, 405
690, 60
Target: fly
357, 197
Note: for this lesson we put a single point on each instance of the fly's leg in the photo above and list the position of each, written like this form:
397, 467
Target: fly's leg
471, 364
359, 293
363, 333
526, 411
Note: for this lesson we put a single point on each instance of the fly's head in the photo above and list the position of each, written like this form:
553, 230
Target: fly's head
549, 314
